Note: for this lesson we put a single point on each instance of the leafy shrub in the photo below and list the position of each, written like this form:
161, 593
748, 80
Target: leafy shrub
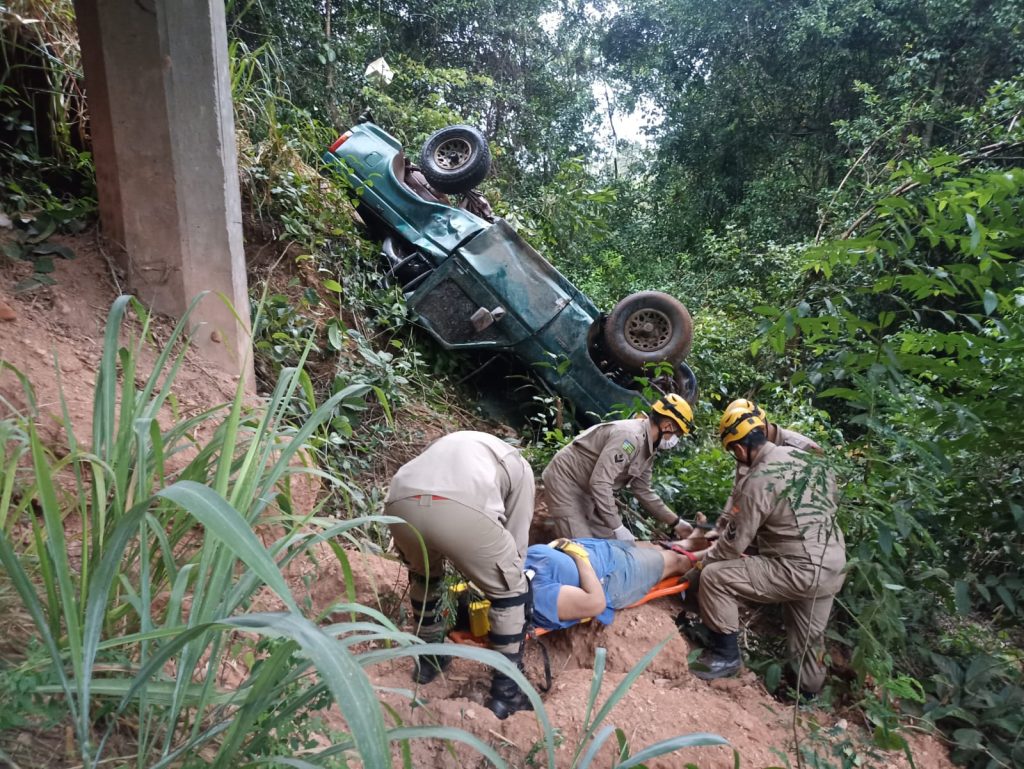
979, 700
44, 168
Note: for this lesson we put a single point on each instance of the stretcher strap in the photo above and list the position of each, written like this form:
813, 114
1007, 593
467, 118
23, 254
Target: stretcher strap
547, 665
692, 557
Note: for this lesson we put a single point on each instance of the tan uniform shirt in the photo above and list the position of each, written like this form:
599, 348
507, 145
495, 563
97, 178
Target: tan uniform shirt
469, 468
780, 436
610, 456
787, 507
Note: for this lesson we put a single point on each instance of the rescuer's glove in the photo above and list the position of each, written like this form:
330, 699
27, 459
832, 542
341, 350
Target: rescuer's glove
681, 528
623, 534
569, 547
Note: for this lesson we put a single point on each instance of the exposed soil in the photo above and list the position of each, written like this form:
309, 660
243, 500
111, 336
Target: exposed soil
67, 320
664, 701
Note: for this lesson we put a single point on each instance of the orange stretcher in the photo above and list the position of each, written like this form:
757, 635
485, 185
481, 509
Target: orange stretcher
669, 586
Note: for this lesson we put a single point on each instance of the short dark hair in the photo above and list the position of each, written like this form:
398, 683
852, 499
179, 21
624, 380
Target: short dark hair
754, 439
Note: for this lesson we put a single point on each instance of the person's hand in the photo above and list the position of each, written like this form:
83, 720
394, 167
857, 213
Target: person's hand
682, 529
570, 548
623, 534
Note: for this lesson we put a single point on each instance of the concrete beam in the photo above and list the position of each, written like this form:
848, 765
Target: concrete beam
163, 67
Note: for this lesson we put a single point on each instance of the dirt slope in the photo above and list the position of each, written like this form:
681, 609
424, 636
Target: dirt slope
663, 702
67, 319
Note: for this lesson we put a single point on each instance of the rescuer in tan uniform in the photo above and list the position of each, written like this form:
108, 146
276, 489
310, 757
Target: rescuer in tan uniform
470, 496
787, 505
776, 434
581, 480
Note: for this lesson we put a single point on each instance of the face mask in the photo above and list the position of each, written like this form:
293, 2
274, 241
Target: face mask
669, 443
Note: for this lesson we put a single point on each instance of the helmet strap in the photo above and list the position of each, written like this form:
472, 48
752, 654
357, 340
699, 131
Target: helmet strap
745, 460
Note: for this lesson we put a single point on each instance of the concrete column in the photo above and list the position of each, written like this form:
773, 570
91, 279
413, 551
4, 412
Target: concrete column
164, 72
100, 130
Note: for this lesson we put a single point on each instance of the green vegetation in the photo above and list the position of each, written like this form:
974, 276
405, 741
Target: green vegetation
138, 624
836, 193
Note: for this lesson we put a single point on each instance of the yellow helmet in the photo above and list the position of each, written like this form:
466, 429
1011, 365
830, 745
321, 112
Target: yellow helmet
737, 422
753, 408
677, 409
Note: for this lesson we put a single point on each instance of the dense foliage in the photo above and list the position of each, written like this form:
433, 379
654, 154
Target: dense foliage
834, 189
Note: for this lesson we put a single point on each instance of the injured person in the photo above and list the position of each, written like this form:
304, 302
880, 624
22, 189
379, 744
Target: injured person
578, 579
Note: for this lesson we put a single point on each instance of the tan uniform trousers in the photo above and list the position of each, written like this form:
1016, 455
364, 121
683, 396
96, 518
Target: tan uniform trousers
805, 592
479, 547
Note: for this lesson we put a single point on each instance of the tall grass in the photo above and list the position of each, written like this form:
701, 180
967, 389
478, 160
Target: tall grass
42, 68
139, 623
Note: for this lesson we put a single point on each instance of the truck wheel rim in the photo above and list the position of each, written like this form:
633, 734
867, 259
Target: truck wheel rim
452, 154
648, 330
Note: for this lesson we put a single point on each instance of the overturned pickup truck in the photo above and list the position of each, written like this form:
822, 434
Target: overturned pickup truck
475, 284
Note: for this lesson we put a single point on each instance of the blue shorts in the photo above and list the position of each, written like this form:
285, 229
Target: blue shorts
636, 571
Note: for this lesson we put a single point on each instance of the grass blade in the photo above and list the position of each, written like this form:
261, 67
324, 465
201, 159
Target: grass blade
595, 745
228, 525
447, 733
696, 740
343, 676
627, 682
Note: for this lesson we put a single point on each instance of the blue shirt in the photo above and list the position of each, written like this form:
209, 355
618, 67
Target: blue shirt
554, 568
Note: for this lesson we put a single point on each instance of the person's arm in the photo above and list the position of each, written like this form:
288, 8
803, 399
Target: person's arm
652, 503
741, 529
587, 600
602, 482
787, 437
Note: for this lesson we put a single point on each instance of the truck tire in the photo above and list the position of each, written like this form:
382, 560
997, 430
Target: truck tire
455, 159
648, 327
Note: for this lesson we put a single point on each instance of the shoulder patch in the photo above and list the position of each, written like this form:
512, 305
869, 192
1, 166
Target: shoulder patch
629, 448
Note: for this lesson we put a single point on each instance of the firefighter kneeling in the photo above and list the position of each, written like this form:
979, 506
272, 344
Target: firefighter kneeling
785, 503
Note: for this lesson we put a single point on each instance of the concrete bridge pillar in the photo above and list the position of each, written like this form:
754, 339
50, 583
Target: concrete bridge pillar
159, 96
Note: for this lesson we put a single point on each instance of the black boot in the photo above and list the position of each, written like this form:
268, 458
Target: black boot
722, 659
696, 632
431, 629
427, 667
801, 697
506, 696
